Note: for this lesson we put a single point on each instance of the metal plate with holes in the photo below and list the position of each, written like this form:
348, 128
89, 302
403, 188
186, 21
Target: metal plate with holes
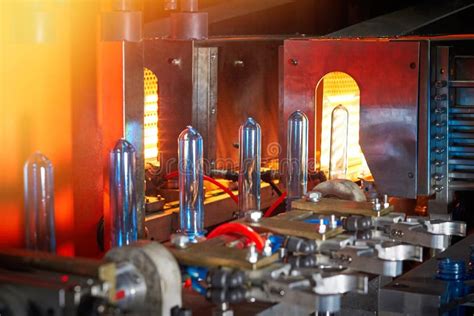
293, 224
215, 253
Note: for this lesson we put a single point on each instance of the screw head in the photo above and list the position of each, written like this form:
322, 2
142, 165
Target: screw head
294, 62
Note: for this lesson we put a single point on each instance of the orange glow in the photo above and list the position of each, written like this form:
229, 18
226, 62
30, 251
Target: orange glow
341, 89
36, 111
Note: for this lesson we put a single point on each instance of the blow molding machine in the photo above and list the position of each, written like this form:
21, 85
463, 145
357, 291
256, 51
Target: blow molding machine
264, 176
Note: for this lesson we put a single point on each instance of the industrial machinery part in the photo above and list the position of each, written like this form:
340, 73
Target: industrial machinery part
123, 195
249, 169
191, 195
189, 23
392, 250
366, 259
143, 278
309, 288
297, 157
435, 287
433, 235
157, 268
38, 180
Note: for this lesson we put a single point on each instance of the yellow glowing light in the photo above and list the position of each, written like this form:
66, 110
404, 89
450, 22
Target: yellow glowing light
341, 89
151, 117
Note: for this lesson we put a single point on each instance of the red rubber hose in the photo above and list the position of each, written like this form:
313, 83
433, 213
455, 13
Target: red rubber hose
241, 230
275, 204
175, 174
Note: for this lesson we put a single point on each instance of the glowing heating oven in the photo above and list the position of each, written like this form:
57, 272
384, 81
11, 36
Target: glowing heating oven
150, 124
397, 111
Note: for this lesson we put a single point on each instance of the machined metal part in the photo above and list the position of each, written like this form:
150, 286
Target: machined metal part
269, 272
313, 288
131, 285
365, 259
336, 243
416, 234
443, 227
294, 301
389, 219
328, 281
157, 270
393, 250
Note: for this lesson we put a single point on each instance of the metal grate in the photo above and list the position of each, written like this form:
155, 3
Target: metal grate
151, 117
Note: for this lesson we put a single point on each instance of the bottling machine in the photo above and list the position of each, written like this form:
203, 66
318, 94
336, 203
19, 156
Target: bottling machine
261, 176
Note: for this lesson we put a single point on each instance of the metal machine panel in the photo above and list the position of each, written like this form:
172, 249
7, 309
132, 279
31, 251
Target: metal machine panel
388, 78
247, 86
172, 63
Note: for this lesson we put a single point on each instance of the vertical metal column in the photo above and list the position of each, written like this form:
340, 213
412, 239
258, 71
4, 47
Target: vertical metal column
205, 99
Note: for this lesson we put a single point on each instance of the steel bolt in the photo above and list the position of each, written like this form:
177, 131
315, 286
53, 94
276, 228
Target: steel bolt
333, 222
252, 255
377, 205
239, 63
267, 250
386, 204
175, 61
322, 228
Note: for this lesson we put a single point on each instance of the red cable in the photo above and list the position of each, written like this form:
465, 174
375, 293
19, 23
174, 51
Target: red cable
241, 230
175, 174
277, 203
223, 188
171, 175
